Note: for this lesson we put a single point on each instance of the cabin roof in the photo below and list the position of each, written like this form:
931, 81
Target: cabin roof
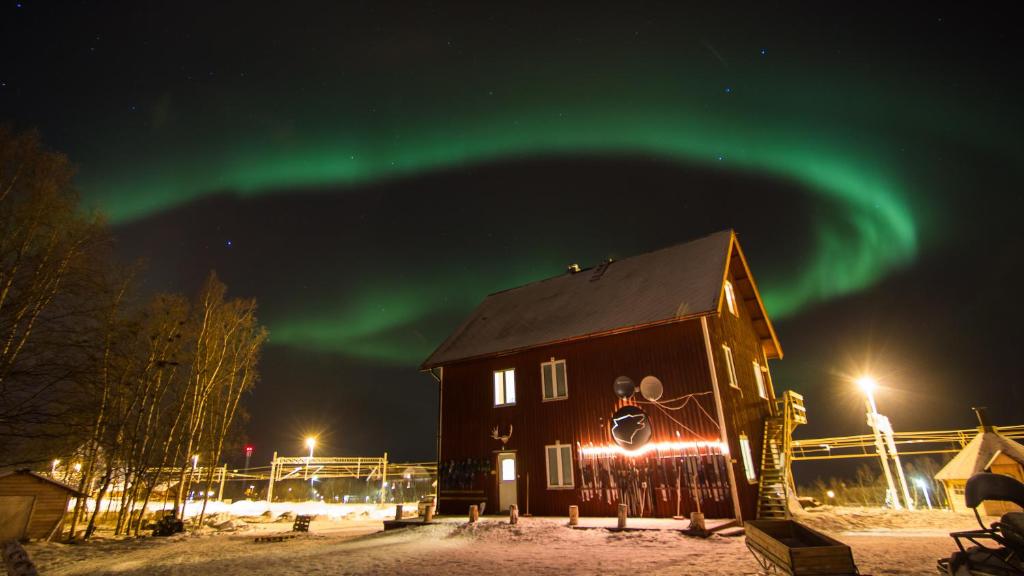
979, 453
667, 285
74, 491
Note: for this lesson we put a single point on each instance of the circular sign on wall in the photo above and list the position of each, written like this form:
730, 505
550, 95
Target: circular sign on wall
630, 428
651, 388
624, 387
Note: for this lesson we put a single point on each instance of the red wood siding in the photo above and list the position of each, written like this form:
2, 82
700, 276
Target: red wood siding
675, 353
745, 410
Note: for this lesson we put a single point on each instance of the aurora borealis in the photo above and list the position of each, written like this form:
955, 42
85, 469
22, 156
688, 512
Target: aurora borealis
373, 167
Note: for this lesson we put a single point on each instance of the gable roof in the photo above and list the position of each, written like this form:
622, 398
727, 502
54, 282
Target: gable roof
74, 491
667, 285
979, 453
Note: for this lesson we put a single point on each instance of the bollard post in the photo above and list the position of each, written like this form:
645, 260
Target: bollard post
622, 516
428, 514
474, 513
574, 515
697, 522
398, 511
513, 514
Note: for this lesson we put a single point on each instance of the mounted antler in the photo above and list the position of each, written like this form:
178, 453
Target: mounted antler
498, 436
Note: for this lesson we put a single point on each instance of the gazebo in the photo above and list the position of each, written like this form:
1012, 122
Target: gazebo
989, 451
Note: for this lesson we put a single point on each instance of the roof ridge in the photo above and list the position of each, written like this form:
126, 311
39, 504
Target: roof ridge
630, 257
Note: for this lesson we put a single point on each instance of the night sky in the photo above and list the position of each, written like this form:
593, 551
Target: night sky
370, 171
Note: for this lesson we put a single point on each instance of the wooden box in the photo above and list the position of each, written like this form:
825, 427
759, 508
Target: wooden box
788, 547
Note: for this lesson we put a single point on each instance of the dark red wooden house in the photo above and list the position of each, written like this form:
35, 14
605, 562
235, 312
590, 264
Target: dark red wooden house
642, 381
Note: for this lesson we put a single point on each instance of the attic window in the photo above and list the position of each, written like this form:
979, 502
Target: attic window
552, 375
730, 298
504, 387
730, 366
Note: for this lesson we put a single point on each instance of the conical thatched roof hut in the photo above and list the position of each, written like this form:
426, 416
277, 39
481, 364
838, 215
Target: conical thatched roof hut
989, 451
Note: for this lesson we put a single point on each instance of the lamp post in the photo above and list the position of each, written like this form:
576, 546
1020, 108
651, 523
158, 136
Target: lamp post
310, 443
880, 424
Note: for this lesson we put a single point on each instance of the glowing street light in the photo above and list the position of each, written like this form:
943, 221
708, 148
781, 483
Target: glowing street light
310, 443
880, 424
78, 466
831, 494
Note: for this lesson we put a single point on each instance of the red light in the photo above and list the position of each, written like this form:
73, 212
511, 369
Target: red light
248, 450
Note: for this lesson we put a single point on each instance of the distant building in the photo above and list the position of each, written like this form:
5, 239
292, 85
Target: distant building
989, 451
32, 506
643, 381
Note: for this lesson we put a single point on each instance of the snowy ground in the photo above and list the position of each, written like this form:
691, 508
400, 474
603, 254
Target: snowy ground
883, 542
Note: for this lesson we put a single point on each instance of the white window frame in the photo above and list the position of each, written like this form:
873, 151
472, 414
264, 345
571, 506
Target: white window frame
501, 395
554, 380
730, 366
730, 298
560, 450
762, 387
748, 459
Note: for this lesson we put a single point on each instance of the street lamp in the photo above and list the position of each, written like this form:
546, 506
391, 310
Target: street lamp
310, 443
879, 425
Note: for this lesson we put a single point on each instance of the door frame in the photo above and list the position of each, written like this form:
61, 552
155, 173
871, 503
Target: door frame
499, 457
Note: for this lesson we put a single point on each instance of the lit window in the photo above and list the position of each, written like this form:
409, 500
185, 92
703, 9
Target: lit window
559, 464
748, 459
730, 367
508, 469
730, 298
759, 377
552, 375
504, 387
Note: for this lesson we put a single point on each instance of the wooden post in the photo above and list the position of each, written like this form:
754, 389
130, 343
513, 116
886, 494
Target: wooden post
622, 515
574, 515
513, 514
697, 522
398, 511
474, 513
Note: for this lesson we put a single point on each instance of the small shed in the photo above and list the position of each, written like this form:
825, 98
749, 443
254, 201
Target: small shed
989, 451
32, 506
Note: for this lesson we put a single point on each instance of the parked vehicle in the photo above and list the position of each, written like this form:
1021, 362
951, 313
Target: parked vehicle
996, 550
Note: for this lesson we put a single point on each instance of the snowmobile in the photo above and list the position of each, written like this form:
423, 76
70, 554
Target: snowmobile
996, 550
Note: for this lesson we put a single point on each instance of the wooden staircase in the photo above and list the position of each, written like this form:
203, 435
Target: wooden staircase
773, 489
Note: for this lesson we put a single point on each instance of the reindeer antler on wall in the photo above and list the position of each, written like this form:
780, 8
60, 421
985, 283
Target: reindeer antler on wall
498, 436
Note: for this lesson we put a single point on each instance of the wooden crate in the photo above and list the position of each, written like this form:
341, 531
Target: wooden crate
788, 547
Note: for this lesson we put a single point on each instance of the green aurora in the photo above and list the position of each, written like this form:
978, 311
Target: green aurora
837, 148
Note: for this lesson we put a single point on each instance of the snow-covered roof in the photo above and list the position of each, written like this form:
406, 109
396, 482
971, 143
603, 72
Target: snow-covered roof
675, 283
978, 455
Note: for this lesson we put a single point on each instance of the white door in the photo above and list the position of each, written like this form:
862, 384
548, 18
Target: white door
15, 512
507, 474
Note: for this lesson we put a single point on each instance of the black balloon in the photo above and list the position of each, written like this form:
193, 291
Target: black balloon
630, 428
624, 387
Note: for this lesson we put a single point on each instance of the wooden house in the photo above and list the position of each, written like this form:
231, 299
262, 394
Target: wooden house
32, 506
642, 381
989, 451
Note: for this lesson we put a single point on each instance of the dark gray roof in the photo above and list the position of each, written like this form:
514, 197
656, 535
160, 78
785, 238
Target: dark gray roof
673, 283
